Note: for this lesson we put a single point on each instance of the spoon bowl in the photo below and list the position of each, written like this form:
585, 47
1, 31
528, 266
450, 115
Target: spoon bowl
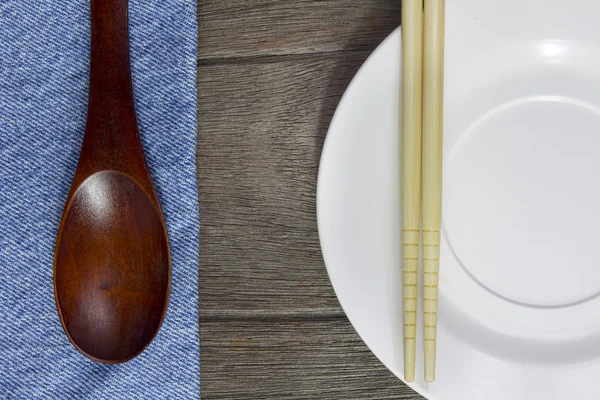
112, 268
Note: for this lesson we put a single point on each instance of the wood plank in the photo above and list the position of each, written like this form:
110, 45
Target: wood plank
261, 129
292, 360
242, 28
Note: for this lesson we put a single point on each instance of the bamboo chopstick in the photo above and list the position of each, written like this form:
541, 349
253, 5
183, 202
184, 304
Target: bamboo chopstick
412, 91
433, 90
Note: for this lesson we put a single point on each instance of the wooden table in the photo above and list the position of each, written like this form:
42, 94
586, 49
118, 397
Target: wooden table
270, 75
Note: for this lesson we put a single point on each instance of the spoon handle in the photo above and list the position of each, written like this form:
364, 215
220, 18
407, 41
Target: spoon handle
110, 76
111, 140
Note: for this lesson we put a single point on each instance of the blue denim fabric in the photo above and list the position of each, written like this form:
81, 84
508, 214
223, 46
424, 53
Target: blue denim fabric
44, 71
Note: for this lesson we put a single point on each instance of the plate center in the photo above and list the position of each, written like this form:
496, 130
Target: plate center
522, 201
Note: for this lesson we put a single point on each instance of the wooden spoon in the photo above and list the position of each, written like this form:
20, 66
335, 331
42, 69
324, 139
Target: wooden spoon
112, 266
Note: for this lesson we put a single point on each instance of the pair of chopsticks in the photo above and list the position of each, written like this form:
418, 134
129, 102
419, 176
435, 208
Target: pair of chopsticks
422, 116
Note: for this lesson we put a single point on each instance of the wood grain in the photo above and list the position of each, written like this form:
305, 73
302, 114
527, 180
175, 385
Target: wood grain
270, 75
301, 359
242, 28
261, 129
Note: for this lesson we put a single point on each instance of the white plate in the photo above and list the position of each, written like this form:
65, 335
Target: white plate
520, 273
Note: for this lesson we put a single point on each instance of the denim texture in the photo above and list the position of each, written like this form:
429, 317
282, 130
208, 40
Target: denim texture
44, 79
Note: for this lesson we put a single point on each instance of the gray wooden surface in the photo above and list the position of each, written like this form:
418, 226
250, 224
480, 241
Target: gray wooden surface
270, 74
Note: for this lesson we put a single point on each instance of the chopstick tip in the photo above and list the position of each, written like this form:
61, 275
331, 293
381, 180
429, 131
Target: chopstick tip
430, 350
